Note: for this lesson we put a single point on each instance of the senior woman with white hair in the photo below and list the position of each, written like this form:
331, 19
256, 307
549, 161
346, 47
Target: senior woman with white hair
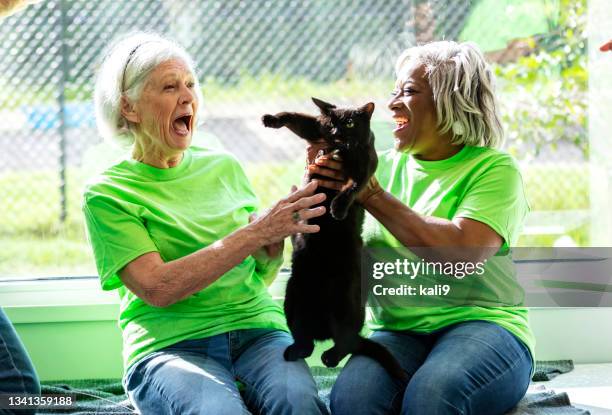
173, 229
444, 185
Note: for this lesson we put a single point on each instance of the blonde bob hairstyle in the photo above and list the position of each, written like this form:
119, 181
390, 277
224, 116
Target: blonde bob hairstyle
124, 72
463, 90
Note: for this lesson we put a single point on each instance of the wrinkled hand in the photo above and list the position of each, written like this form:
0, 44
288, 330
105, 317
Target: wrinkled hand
269, 251
288, 215
606, 47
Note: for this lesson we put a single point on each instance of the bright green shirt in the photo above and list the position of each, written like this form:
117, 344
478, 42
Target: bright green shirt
134, 208
478, 183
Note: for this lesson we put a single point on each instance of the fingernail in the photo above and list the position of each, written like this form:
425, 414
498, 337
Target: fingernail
320, 153
336, 157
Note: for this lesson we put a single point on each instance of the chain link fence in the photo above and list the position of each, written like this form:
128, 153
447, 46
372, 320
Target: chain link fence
257, 57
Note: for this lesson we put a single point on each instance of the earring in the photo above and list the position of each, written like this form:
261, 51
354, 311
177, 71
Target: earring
458, 128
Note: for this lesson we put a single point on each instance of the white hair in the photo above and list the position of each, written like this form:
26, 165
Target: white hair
124, 72
463, 90
8, 7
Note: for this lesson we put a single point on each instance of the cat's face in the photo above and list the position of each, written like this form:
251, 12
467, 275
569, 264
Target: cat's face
346, 127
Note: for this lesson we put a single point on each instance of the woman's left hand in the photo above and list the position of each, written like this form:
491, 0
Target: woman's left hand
270, 251
328, 166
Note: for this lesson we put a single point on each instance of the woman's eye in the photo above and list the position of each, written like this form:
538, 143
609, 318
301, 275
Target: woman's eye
408, 91
168, 87
394, 92
190, 85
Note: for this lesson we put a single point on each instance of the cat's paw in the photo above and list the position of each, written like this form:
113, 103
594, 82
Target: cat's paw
290, 353
338, 209
271, 121
329, 358
294, 352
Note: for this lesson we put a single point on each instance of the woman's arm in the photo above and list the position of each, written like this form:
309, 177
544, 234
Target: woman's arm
162, 283
471, 240
415, 230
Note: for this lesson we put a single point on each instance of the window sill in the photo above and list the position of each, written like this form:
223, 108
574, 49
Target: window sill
73, 299
58, 300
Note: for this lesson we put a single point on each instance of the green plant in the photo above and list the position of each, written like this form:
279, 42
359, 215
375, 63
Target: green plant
544, 95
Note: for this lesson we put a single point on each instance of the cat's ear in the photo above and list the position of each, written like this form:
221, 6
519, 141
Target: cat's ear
324, 106
367, 109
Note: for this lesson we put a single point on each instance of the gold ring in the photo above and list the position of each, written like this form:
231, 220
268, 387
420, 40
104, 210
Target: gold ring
296, 216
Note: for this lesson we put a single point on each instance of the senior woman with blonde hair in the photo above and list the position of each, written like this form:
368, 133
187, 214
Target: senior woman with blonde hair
443, 188
173, 230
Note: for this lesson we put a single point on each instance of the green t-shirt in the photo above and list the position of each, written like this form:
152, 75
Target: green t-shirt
134, 208
477, 183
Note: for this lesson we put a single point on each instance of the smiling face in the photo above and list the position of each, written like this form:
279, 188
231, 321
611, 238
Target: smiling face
165, 113
414, 113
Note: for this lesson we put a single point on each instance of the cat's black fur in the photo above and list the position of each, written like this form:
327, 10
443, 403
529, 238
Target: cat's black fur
323, 299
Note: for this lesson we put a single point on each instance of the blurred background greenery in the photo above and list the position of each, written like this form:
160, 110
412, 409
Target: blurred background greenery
255, 60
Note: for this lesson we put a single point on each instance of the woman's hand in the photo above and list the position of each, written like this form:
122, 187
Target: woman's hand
270, 251
288, 215
330, 166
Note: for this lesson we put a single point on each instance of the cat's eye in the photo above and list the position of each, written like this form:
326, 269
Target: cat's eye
349, 123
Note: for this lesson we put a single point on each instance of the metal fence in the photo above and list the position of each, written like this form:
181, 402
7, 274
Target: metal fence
253, 57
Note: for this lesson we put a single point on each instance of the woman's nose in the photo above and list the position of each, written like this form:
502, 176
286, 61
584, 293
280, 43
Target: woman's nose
394, 102
187, 95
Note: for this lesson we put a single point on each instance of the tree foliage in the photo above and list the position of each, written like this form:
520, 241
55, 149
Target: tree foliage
544, 94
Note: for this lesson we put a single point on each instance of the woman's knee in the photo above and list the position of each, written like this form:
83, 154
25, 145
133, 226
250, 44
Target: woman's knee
454, 390
186, 384
293, 394
435, 395
364, 387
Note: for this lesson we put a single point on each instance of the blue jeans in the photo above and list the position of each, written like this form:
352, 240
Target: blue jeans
17, 375
474, 367
199, 377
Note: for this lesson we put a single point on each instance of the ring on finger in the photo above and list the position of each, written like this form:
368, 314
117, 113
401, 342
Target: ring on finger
296, 216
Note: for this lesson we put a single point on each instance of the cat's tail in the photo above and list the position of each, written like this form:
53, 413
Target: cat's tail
383, 356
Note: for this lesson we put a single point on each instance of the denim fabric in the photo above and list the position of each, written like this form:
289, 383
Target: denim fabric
17, 375
199, 377
474, 367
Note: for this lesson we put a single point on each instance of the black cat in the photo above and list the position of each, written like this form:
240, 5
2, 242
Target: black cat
323, 298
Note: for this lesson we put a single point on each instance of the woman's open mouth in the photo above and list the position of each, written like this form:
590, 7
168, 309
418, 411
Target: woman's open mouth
401, 123
182, 124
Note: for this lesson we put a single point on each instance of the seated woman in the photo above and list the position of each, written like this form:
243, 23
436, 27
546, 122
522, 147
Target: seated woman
444, 185
173, 230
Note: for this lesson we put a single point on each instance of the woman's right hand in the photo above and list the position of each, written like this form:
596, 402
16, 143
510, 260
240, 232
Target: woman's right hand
330, 167
288, 215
